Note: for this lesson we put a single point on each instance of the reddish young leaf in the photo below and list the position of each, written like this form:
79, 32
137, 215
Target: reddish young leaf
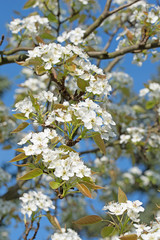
84, 190
91, 219
18, 157
54, 221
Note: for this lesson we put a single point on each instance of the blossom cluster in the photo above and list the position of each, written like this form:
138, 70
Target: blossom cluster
65, 235
26, 106
55, 54
66, 164
39, 141
75, 36
90, 113
140, 14
145, 179
33, 25
136, 134
131, 208
148, 232
35, 201
152, 90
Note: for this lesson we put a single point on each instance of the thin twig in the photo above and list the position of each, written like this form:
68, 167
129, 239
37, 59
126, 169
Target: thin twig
108, 44
2, 39
105, 14
36, 230
58, 16
112, 64
27, 229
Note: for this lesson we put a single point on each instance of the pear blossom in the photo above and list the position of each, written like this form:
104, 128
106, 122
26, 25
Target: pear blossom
65, 235
33, 201
33, 25
66, 164
25, 106
116, 208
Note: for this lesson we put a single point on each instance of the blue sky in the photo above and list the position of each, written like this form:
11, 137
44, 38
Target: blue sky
140, 74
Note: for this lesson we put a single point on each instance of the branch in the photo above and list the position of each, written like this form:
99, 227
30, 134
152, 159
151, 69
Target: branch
105, 14
36, 231
2, 39
98, 55
15, 50
13, 59
108, 44
27, 229
112, 64
123, 51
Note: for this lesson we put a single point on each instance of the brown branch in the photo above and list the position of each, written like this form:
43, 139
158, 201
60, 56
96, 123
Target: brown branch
36, 231
15, 50
105, 14
123, 51
58, 17
2, 39
99, 55
108, 44
27, 229
89, 151
112, 64
72, 143
13, 59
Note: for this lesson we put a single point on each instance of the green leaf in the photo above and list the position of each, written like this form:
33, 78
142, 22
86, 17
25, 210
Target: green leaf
138, 109
32, 174
29, 4
52, 18
150, 104
40, 70
19, 157
82, 18
107, 231
20, 127
54, 185
71, 67
67, 148
99, 141
19, 150
53, 220
129, 237
74, 18
84, 190
47, 36
71, 59
82, 84
125, 91
20, 116
122, 198
7, 147
91, 219
34, 102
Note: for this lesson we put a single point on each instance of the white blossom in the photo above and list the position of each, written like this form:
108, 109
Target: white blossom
64, 234
33, 201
